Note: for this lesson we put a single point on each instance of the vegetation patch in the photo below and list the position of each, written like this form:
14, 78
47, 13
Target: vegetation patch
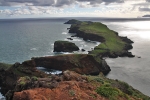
23, 80
108, 92
72, 92
5, 66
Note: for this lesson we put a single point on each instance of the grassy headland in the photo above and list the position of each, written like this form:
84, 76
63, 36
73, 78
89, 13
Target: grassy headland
111, 43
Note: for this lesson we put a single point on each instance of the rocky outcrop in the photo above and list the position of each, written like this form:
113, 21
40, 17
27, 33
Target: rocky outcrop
65, 46
80, 63
10, 76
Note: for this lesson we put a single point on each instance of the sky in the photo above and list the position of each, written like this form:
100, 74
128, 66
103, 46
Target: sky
74, 8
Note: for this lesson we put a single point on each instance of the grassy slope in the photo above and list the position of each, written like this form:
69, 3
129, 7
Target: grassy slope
5, 66
115, 90
112, 42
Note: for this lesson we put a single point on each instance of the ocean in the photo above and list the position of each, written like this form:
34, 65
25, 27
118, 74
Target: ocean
22, 39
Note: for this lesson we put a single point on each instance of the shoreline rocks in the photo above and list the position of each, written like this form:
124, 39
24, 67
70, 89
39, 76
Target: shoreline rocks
65, 46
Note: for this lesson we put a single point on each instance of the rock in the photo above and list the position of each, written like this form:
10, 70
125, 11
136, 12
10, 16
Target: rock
16, 64
73, 76
73, 35
126, 54
65, 46
105, 68
125, 39
82, 50
80, 63
69, 38
10, 76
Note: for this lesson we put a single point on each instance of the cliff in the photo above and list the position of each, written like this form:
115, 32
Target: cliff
65, 46
80, 63
82, 76
111, 45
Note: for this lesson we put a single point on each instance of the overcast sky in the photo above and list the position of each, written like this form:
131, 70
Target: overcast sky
73, 8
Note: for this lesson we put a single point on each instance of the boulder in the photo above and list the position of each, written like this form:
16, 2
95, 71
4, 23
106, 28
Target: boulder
65, 46
69, 38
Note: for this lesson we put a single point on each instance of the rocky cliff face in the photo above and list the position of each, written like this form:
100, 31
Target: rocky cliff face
65, 46
85, 36
80, 63
10, 76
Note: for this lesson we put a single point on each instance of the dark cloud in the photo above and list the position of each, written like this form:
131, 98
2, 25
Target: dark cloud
93, 2
57, 3
61, 3
144, 9
27, 2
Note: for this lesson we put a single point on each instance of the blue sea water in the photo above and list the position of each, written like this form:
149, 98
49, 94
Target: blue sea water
22, 39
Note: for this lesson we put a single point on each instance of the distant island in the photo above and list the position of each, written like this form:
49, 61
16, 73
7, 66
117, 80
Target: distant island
82, 76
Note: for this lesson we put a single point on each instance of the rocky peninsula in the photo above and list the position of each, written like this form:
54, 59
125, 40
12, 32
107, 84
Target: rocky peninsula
82, 75
111, 45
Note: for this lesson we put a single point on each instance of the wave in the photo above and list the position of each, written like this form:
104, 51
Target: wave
49, 71
1, 96
33, 49
64, 33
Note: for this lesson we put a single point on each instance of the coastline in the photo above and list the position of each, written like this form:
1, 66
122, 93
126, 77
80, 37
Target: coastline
111, 45
30, 63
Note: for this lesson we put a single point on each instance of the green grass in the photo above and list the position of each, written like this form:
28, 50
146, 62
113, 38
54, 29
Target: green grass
5, 66
113, 89
133, 92
23, 80
108, 92
34, 78
112, 42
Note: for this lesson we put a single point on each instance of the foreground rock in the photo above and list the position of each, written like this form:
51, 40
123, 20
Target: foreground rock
73, 86
9, 76
65, 46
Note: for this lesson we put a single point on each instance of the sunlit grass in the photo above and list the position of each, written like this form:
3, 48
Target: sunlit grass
112, 42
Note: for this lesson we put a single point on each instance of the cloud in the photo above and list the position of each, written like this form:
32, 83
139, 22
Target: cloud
125, 8
144, 9
56, 3
27, 2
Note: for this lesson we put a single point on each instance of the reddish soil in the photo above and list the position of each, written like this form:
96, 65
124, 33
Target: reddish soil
67, 90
